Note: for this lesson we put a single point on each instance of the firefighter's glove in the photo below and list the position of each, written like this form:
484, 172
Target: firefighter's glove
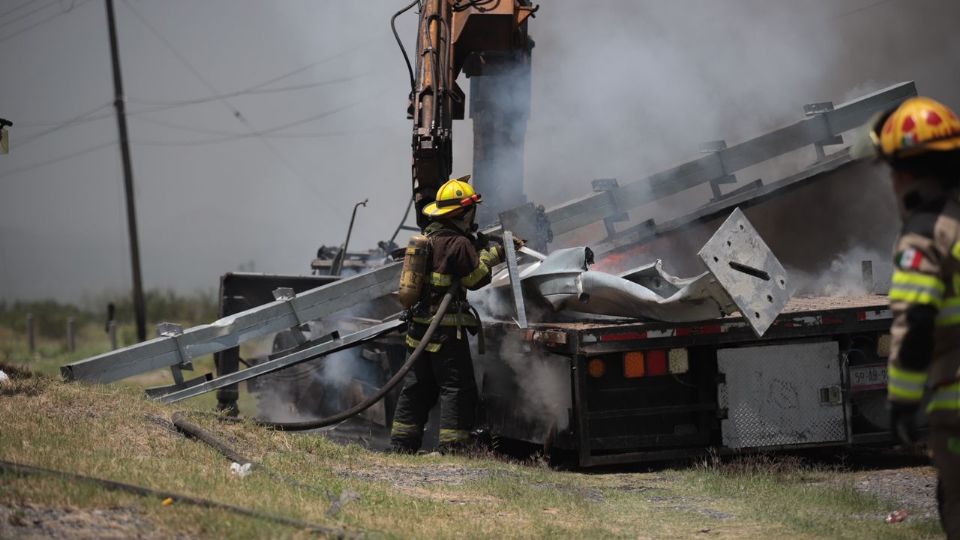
903, 422
492, 256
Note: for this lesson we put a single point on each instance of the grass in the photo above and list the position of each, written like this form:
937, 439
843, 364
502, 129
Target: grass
114, 432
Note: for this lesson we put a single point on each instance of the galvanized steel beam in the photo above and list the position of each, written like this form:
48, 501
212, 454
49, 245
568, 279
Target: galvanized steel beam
296, 357
592, 208
235, 329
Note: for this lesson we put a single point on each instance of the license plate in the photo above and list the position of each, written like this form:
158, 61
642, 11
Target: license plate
872, 377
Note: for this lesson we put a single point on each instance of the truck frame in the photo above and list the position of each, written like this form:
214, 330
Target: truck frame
643, 391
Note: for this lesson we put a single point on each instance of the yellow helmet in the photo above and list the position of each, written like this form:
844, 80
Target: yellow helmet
917, 126
452, 196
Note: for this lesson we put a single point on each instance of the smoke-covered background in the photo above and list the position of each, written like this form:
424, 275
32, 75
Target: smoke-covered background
257, 125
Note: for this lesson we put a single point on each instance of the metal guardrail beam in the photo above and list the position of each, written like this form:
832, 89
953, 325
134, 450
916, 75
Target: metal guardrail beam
295, 357
583, 211
231, 331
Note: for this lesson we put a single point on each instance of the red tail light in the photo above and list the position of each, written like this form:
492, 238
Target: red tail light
656, 362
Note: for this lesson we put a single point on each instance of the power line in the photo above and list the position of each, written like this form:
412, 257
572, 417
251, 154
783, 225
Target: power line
155, 106
257, 133
233, 110
42, 21
29, 13
82, 118
11, 10
88, 116
72, 120
58, 159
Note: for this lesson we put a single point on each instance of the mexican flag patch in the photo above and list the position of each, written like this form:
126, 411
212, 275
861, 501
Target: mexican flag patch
910, 259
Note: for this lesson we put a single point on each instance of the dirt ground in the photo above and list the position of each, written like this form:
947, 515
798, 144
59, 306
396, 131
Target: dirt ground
31, 521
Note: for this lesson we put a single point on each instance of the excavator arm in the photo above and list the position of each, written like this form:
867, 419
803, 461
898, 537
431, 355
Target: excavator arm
478, 37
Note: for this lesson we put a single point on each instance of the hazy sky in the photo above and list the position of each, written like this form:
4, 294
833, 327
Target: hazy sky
257, 125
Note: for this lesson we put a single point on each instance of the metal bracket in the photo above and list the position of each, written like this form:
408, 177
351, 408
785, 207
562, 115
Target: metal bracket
174, 331
287, 294
817, 109
609, 184
745, 267
513, 271
713, 147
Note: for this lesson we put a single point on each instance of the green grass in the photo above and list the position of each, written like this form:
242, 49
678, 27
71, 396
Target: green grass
112, 432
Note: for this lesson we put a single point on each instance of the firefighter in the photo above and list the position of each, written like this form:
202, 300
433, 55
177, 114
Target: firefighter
445, 370
920, 140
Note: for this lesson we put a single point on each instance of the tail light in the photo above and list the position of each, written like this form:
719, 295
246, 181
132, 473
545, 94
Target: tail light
650, 363
596, 368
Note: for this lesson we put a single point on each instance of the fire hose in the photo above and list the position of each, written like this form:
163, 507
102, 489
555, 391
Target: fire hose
390, 384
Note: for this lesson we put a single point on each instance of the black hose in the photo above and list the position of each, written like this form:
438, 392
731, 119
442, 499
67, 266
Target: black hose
395, 380
393, 26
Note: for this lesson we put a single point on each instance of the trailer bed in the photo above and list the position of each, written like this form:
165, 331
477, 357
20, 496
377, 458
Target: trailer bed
817, 377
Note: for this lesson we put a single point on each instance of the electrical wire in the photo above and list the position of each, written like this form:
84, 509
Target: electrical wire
406, 58
228, 135
58, 159
260, 133
79, 119
154, 106
322, 197
457, 6
29, 13
43, 21
16, 8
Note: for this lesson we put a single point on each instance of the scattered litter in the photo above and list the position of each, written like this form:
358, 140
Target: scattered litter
3, 377
703, 531
168, 501
896, 516
237, 469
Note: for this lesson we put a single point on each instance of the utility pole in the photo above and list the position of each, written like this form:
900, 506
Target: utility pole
139, 311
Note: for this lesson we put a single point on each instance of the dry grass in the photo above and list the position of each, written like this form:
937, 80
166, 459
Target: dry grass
113, 432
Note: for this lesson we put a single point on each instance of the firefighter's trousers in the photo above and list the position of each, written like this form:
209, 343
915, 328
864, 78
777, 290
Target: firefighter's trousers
945, 443
446, 374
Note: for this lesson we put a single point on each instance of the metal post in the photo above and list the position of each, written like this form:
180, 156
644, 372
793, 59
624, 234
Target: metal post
866, 272
31, 334
71, 334
139, 311
337, 267
112, 332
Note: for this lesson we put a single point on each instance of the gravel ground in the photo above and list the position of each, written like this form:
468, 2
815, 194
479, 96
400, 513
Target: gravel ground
913, 489
30, 521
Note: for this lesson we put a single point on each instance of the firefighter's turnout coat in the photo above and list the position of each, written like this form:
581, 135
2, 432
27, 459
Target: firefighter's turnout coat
925, 345
445, 370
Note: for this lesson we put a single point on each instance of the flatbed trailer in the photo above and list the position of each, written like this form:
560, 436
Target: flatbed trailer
626, 391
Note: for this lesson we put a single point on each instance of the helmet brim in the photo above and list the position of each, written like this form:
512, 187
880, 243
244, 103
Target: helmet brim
941, 145
433, 211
